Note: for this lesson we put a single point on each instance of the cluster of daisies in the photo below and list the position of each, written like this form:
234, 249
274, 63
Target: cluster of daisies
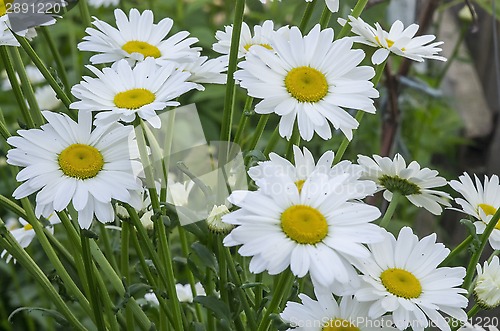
307, 216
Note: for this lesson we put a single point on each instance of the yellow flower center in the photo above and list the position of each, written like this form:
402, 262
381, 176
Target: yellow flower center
247, 46
489, 210
300, 184
339, 324
134, 99
306, 84
401, 283
27, 227
304, 224
81, 161
3, 4
389, 42
142, 47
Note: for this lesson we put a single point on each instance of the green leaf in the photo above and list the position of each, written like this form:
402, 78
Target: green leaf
207, 257
215, 305
58, 317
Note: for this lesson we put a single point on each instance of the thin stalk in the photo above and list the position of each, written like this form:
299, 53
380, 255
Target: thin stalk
272, 141
258, 131
477, 254
396, 197
45, 72
26, 87
284, 281
243, 120
61, 70
359, 115
294, 140
3, 130
12, 206
191, 280
107, 245
325, 18
358, 9
227, 116
463, 245
124, 269
13, 247
307, 15
94, 293
16, 88
85, 13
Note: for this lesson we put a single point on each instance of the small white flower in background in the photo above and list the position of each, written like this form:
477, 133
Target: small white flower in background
178, 193
263, 35
47, 98
24, 235
310, 79
487, 288
184, 294
214, 220
402, 277
122, 93
206, 71
411, 181
65, 161
103, 3
469, 327
137, 38
480, 201
314, 227
326, 314
34, 76
333, 5
398, 40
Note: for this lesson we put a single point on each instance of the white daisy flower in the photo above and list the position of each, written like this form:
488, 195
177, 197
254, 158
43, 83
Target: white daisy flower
309, 78
333, 5
487, 288
263, 35
414, 183
151, 298
122, 92
304, 167
205, 71
481, 201
103, 3
214, 220
137, 38
402, 278
184, 293
47, 98
326, 314
65, 162
317, 230
398, 40
24, 235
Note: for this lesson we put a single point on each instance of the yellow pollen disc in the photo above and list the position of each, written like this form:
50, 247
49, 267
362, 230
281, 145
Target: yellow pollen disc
339, 324
247, 46
142, 47
134, 99
306, 84
28, 227
81, 161
389, 42
300, 184
3, 8
401, 283
489, 210
304, 224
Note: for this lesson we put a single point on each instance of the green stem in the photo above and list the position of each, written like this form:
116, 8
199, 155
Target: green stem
107, 245
3, 129
325, 18
463, 245
294, 140
258, 131
13, 247
227, 116
57, 58
27, 88
45, 72
307, 15
243, 120
358, 9
359, 115
85, 14
12, 206
281, 288
272, 141
396, 196
477, 254
124, 269
16, 88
